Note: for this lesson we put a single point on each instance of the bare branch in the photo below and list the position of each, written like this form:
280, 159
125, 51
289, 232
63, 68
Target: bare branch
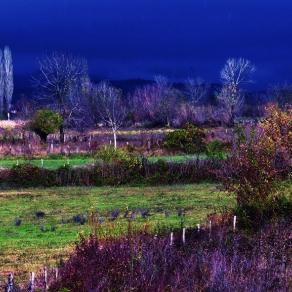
59, 83
108, 103
235, 73
195, 90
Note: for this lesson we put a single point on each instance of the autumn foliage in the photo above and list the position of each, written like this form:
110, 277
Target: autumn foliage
261, 156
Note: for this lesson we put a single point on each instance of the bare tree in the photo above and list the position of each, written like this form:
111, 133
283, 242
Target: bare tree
110, 107
24, 107
146, 103
196, 90
282, 94
168, 98
155, 102
2, 83
9, 84
59, 82
234, 74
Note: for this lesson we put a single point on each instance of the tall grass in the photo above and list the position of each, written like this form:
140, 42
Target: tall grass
216, 260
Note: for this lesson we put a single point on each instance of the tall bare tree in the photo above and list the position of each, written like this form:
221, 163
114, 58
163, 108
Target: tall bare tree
58, 83
110, 107
8, 81
155, 102
234, 74
2, 83
196, 90
168, 98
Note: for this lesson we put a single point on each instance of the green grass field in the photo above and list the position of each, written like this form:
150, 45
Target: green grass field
43, 241
47, 162
37, 242
54, 163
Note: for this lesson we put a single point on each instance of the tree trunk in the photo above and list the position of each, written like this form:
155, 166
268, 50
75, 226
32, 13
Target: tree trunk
43, 137
115, 138
168, 122
232, 117
62, 135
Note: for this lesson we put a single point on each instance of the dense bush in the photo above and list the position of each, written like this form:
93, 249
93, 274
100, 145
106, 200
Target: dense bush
253, 216
250, 173
215, 150
45, 122
260, 158
118, 166
277, 129
118, 156
26, 175
253, 168
218, 261
189, 140
193, 171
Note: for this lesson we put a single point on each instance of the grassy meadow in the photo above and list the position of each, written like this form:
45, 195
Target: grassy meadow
42, 238
75, 161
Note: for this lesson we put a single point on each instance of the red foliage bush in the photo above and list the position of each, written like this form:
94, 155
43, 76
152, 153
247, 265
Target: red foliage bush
260, 157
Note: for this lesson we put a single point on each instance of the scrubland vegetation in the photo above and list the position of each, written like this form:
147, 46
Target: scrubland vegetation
95, 197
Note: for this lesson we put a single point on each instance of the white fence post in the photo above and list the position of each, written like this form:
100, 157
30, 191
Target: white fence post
45, 278
184, 235
171, 238
52, 147
31, 283
234, 223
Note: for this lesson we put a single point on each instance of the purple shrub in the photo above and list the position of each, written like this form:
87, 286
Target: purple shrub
222, 261
40, 214
80, 219
145, 213
114, 214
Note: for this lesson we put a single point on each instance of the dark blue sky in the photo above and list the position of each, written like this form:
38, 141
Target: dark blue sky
139, 38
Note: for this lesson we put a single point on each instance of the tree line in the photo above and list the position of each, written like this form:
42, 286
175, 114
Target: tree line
63, 85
